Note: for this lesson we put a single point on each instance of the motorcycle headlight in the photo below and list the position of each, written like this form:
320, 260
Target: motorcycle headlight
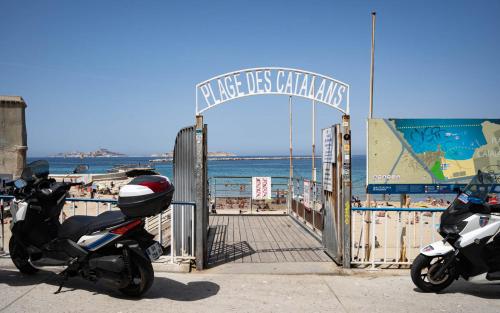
428, 248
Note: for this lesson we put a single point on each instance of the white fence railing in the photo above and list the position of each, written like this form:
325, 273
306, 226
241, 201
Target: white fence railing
159, 225
391, 236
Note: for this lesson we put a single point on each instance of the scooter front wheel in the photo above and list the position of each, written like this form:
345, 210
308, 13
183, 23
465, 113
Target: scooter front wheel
422, 271
20, 258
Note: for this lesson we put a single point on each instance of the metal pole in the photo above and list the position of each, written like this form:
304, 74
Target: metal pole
3, 230
313, 176
370, 115
290, 183
372, 67
200, 194
346, 190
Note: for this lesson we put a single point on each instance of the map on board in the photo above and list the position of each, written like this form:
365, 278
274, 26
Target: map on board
429, 155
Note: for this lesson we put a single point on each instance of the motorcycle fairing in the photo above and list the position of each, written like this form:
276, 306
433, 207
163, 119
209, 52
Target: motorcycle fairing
437, 248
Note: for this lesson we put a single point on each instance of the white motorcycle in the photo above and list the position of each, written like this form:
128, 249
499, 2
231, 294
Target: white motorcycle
471, 245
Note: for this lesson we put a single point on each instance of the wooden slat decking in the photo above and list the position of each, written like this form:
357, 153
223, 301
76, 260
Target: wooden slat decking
260, 239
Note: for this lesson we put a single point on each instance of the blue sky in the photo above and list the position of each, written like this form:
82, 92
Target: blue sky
122, 74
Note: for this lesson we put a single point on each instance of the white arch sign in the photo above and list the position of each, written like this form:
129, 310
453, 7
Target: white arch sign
272, 81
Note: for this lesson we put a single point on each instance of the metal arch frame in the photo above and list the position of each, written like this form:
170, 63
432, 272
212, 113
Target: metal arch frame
346, 111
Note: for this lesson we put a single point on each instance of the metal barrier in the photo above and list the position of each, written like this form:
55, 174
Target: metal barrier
309, 209
396, 234
154, 224
235, 192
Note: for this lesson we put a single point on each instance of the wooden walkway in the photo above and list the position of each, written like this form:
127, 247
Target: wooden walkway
260, 239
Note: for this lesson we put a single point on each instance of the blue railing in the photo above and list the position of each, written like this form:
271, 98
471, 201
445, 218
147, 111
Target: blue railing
393, 209
186, 245
112, 201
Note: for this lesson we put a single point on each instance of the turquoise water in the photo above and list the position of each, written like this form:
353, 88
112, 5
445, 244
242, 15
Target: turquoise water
302, 167
457, 138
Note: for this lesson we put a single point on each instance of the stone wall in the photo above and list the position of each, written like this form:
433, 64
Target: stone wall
13, 139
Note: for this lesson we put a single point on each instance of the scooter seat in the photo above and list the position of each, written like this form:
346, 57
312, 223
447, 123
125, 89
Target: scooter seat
79, 225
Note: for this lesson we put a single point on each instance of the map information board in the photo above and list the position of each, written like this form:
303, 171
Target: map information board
429, 155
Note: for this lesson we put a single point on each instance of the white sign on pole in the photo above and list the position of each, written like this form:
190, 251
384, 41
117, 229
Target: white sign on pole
261, 188
307, 193
329, 156
329, 145
327, 176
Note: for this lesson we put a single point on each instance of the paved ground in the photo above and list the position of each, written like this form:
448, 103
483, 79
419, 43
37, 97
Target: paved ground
213, 291
261, 239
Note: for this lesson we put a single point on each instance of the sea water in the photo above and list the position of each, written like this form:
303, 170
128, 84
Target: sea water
247, 168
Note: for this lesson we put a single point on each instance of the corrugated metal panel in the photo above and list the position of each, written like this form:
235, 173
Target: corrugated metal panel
332, 236
185, 189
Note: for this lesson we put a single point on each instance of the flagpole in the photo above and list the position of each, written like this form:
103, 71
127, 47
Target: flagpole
290, 182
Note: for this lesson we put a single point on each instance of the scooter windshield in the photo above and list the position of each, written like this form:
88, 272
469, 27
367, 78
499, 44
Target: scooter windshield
36, 169
475, 194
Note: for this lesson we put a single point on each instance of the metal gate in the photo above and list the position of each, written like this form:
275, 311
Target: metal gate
336, 234
189, 168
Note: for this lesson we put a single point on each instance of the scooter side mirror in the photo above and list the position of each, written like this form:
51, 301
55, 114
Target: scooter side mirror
20, 183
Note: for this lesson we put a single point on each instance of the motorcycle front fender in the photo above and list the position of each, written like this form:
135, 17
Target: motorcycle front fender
437, 248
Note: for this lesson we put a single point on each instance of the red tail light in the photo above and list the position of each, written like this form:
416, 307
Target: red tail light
123, 229
156, 186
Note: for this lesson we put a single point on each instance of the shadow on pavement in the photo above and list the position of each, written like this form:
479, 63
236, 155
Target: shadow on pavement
162, 287
464, 287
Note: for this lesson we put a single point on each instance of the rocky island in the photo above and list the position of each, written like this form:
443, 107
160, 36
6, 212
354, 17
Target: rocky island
99, 153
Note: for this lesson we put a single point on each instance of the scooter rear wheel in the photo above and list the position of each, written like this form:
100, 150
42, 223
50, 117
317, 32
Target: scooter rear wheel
142, 277
20, 257
423, 267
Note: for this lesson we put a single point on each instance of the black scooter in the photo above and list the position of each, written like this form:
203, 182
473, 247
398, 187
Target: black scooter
113, 246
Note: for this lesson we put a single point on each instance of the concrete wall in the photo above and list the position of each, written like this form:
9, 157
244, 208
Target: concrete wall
13, 139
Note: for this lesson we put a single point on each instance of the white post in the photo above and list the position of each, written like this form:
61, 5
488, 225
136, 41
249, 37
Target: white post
363, 241
1, 221
433, 230
160, 228
183, 248
398, 234
385, 236
353, 231
373, 240
192, 230
172, 245
420, 230
313, 175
